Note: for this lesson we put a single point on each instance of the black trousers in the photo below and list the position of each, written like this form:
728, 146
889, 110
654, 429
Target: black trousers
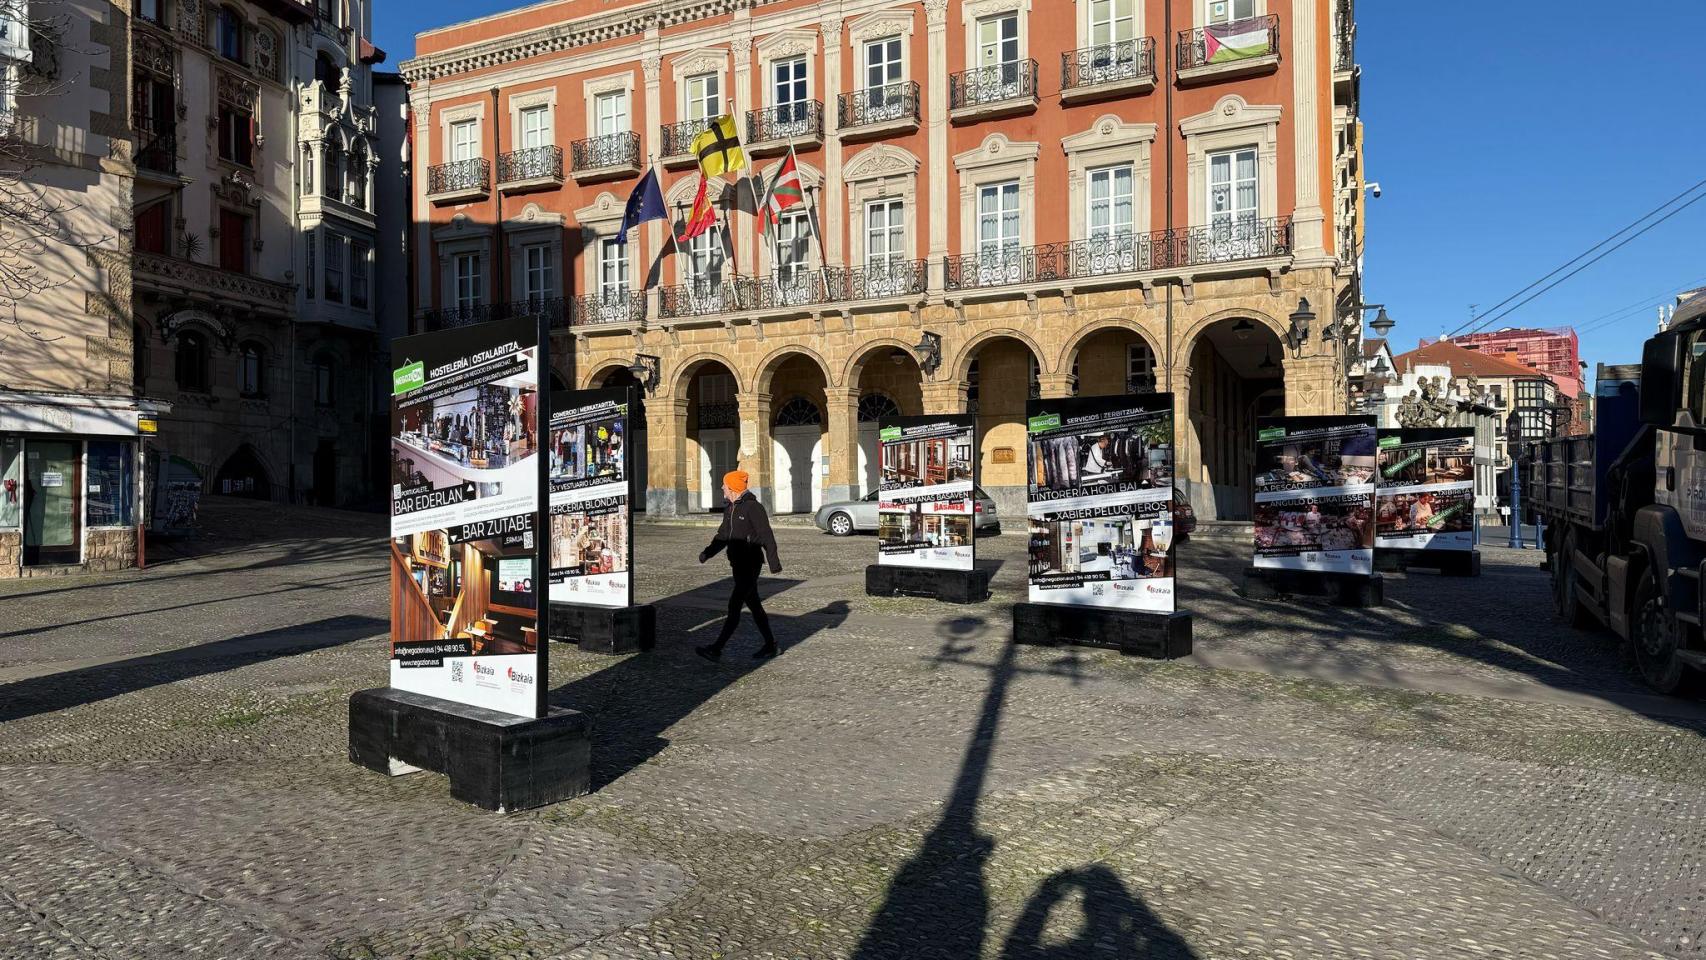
745, 594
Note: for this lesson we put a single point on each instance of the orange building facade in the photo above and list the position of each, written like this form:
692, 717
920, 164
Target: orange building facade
1008, 198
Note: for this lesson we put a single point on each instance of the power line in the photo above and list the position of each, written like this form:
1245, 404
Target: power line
1500, 314
1573, 260
1630, 310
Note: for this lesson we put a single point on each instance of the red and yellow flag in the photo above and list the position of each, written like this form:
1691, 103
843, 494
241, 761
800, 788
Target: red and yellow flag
702, 217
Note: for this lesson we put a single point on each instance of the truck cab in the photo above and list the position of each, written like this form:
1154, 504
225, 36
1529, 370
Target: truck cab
1627, 506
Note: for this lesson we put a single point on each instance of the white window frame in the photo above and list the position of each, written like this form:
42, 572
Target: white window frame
335, 261
703, 261
1139, 362
613, 277
1215, 12
1106, 15
893, 62
710, 84
534, 126
792, 252
538, 272
1005, 210
1236, 218
890, 236
797, 85
1000, 42
463, 140
615, 119
1113, 228
467, 278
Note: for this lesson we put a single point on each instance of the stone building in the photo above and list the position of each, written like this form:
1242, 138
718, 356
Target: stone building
1009, 198
70, 422
255, 310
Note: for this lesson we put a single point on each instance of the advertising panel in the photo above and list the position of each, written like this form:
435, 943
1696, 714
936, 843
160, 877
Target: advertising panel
466, 569
926, 509
1426, 499
1101, 502
1314, 494
591, 521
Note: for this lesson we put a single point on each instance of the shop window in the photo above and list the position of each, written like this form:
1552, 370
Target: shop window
251, 370
11, 482
190, 363
111, 483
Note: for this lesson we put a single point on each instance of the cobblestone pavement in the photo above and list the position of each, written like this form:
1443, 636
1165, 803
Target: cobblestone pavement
1453, 775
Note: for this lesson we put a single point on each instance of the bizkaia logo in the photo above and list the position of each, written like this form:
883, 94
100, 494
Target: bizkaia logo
1158, 590
519, 678
484, 676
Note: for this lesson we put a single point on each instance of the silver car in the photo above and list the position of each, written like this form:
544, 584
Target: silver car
847, 517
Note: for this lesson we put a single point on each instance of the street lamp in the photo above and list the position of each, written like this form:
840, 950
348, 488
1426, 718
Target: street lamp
1382, 324
646, 370
1243, 328
1298, 335
929, 350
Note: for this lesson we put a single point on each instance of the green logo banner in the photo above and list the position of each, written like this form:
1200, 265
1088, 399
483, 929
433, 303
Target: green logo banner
1045, 421
1271, 433
889, 434
1389, 442
404, 379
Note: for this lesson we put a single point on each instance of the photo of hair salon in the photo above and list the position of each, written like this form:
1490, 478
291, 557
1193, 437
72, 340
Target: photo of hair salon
481, 591
465, 436
1135, 455
1124, 547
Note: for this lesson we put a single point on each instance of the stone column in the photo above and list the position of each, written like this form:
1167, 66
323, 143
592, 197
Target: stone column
830, 222
667, 467
743, 102
844, 476
1054, 385
1187, 457
1307, 218
935, 89
425, 148
757, 450
651, 138
944, 398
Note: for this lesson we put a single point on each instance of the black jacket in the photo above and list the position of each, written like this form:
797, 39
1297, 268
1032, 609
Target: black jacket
745, 531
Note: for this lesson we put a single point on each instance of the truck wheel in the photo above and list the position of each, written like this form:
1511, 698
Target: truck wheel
1654, 637
1564, 590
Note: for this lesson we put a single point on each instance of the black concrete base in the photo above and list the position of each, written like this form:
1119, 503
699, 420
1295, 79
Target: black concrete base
949, 586
1158, 636
494, 760
605, 629
1343, 589
1449, 563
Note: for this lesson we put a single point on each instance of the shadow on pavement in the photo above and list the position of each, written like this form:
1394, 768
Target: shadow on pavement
938, 904
72, 688
634, 701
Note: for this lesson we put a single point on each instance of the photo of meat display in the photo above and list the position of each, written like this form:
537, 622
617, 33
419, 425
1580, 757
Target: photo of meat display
1426, 499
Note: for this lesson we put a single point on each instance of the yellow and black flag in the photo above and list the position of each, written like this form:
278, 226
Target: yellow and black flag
718, 148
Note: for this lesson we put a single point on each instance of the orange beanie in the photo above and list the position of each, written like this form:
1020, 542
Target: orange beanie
736, 480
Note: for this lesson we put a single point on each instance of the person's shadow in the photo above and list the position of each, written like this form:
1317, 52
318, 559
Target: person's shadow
633, 701
1116, 925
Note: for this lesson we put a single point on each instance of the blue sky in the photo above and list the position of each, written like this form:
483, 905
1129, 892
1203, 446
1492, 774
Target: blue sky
1504, 145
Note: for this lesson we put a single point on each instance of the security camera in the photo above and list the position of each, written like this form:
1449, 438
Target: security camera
1375, 187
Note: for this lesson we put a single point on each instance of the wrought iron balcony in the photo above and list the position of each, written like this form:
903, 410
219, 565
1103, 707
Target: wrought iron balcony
880, 279
705, 298
1345, 57
1205, 52
1126, 66
625, 307
531, 168
611, 155
773, 128
552, 308
876, 110
177, 277
157, 151
676, 140
1233, 242
991, 91
459, 180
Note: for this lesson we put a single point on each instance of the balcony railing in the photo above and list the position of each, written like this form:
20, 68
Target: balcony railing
1231, 242
462, 316
613, 150
625, 307
554, 309
878, 280
173, 275
704, 298
157, 151
1127, 61
459, 176
1346, 57
542, 163
676, 139
1228, 43
983, 86
788, 121
891, 103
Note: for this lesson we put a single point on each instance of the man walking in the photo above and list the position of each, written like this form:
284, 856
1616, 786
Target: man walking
745, 534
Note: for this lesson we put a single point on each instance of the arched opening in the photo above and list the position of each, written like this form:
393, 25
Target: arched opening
243, 475
798, 434
713, 431
890, 385
1237, 377
638, 462
999, 378
1113, 362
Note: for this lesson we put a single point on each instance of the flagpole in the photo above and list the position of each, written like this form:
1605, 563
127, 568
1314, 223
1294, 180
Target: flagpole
811, 221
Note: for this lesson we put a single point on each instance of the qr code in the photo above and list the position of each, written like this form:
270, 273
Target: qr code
455, 671
527, 540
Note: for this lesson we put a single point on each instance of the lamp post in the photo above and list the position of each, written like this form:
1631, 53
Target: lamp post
646, 370
1513, 441
929, 350
1298, 334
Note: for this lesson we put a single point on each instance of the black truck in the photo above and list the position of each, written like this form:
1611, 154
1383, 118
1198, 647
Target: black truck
1626, 507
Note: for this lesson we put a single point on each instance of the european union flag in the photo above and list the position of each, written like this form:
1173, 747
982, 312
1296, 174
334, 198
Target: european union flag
645, 203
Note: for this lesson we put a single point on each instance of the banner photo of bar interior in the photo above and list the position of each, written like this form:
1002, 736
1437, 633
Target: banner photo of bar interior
926, 505
1100, 505
591, 525
1426, 497
465, 498
1314, 494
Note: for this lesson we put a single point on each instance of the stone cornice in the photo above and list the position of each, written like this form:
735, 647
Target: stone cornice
628, 21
